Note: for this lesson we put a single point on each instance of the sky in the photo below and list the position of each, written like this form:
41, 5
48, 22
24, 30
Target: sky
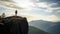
32, 9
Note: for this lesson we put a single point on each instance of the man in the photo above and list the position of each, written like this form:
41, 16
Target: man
16, 13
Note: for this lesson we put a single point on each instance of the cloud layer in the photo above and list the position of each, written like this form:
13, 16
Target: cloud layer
45, 9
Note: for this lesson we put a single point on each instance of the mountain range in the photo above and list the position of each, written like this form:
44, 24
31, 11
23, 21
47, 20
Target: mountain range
48, 26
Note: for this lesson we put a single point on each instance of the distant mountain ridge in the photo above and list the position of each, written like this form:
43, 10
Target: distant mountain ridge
51, 27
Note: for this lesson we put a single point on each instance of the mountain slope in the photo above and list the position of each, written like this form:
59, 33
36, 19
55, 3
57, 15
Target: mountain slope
34, 30
55, 29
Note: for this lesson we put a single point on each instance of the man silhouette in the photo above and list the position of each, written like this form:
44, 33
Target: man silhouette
16, 13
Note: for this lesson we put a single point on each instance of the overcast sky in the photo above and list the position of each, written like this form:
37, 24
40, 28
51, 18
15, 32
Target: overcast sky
32, 9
